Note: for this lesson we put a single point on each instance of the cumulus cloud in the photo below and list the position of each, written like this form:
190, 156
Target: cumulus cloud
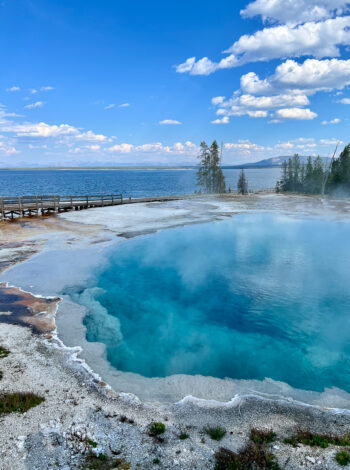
258, 106
333, 121
308, 77
316, 39
109, 106
13, 88
345, 101
40, 129
224, 120
171, 122
46, 88
243, 145
37, 104
294, 114
295, 11
187, 148
91, 137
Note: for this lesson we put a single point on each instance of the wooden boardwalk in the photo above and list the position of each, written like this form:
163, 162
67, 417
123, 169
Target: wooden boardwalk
28, 206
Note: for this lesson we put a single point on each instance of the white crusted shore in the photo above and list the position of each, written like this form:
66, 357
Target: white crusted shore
78, 407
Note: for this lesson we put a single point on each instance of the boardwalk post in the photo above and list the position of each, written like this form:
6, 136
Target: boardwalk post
20, 207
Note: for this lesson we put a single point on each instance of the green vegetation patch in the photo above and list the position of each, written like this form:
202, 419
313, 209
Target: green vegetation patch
156, 429
343, 458
18, 402
103, 462
92, 443
318, 440
4, 352
216, 433
183, 436
156, 461
260, 436
253, 456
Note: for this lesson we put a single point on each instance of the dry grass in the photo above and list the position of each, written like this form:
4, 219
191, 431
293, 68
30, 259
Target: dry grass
18, 402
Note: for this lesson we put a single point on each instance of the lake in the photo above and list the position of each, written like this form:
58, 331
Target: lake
131, 183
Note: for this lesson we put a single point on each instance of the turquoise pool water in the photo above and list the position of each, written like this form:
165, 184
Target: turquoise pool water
251, 297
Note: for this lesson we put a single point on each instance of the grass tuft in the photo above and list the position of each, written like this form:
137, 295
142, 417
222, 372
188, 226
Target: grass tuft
253, 456
216, 433
92, 443
183, 436
4, 352
260, 436
343, 458
18, 402
103, 462
156, 429
156, 461
317, 440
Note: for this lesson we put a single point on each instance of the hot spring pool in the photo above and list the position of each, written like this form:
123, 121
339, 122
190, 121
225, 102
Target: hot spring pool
255, 296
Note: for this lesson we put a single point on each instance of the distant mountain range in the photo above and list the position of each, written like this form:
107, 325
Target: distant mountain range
274, 162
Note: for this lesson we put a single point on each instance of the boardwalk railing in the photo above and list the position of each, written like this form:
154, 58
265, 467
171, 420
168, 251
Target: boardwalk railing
22, 206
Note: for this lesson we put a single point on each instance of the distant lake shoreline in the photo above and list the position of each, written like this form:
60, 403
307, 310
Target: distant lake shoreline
135, 182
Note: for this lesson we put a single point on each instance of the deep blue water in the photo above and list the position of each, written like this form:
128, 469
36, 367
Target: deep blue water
255, 296
131, 183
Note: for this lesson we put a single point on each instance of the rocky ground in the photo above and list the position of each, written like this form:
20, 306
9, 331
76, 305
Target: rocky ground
81, 415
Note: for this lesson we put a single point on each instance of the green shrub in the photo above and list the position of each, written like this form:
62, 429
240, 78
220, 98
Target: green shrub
92, 443
18, 402
216, 433
260, 436
4, 352
156, 461
103, 462
184, 436
317, 440
343, 458
253, 456
156, 429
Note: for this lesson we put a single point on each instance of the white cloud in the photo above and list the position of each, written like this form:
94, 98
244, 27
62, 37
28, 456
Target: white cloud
294, 114
243, 145
37, 104
188, 148
121, 148
316, 39
109, 106
295, 11
345, 101
329, 142
7, 150
91, 137
13, 88
333, 121
33, 91
217, 100
224, 120
40, 129
259, 106
308, 77
171, 122
46, 88
124, 105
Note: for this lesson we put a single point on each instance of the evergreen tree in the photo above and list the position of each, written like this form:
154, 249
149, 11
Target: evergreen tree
210, 177
339, 178
242, 185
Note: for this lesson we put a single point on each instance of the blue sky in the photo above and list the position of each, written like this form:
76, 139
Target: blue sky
111, 82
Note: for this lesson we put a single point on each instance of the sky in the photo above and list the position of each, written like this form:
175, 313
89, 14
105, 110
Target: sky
113, 82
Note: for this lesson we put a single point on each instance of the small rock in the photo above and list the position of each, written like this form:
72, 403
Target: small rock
311, 459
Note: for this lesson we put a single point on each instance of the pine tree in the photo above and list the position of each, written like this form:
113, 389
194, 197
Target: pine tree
210, 177
339, 178
242, 185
